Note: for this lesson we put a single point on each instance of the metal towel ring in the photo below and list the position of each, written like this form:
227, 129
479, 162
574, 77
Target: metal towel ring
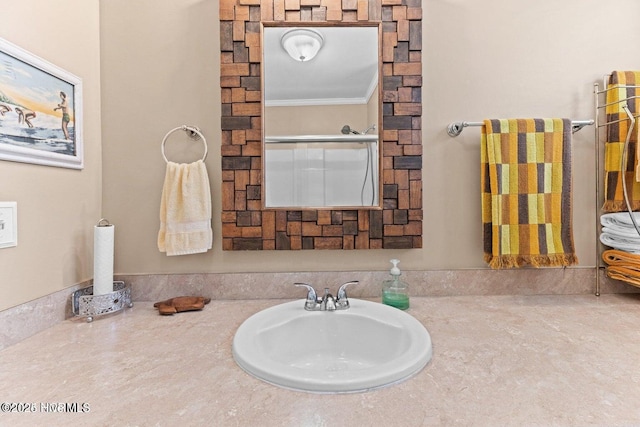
193, 132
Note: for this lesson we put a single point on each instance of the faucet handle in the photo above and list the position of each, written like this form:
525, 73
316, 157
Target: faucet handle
341, 299
312, 296
342, 292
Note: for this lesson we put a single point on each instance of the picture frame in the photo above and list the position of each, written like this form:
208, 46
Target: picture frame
40, 110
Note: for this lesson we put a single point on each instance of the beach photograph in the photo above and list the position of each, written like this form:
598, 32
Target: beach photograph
37, 109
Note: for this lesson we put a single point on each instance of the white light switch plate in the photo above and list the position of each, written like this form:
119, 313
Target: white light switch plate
8, 224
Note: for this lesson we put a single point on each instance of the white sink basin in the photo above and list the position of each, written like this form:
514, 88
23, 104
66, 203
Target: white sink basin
367, 346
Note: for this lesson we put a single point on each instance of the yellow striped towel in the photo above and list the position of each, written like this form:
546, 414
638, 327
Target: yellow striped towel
617, 97
526, 193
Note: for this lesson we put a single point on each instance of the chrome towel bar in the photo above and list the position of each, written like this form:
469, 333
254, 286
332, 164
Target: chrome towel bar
454, 129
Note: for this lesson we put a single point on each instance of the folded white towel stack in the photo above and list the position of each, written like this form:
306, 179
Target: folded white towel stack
619, 232
185, 210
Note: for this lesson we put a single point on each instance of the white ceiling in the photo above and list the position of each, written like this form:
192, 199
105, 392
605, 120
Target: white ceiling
345, 71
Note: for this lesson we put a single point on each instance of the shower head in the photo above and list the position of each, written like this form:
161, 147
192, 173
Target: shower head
346, 129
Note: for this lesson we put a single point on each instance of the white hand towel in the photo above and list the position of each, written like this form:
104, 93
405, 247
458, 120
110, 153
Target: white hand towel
185, 210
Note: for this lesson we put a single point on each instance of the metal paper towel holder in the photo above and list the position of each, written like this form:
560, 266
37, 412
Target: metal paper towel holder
104, 222
85, 304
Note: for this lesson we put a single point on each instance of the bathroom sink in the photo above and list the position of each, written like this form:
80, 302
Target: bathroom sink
367, 346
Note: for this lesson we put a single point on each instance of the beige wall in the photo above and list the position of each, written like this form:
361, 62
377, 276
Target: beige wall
315, 119
321, 119
57, 207
491, 58
505, 58
159, 68
372, 112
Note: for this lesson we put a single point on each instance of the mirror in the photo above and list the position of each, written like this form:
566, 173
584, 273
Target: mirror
247, 223
321, 117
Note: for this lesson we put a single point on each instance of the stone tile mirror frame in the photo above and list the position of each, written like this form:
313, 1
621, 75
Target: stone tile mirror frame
246, 225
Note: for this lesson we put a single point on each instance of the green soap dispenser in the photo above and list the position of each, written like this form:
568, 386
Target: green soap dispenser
395, 292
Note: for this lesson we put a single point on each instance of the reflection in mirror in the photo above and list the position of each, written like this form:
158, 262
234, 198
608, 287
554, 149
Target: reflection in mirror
321, 124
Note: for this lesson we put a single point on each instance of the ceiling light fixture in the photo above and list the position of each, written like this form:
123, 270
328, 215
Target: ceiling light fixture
302, 44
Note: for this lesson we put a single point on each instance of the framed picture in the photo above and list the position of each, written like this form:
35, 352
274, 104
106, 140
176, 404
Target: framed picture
40, 110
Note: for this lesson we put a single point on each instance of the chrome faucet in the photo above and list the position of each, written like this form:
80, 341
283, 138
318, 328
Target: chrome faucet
327, 302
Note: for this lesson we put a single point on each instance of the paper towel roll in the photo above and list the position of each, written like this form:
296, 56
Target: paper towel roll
103, 259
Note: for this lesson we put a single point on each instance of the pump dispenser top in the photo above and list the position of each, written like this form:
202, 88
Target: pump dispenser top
395, 271
395, 292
